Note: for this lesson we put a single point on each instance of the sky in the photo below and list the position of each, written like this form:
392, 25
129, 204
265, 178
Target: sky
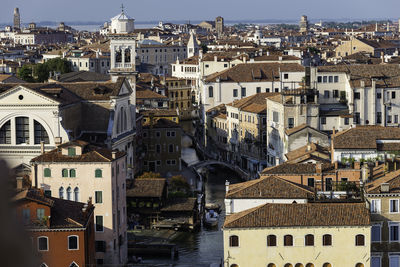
173, 10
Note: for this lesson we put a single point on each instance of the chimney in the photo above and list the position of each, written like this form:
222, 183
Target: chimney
318, 168
42, 147
20, 182
336, 165
365, 173
215, 58
114, 154
308, 146
357, 165
227, 186
58, 141
384, 188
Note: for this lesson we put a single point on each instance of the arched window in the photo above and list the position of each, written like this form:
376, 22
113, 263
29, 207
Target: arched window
359, 264
72, 173
309, 265
210, 91
299, 265
5, 133
73, 264
271, 265
327, 264
288, 265
40, 134
360, 240
98, 173
309, 240
44, 265
127, 55
271, 240
43, 243
69, 193
22, 130
234, 265
288, 240
327, 240
76, 194
61, 192
72, 242
233, 241
47, 172
64, 173
118, 56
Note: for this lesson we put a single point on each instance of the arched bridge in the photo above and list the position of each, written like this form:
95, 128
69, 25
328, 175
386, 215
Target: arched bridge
198, 165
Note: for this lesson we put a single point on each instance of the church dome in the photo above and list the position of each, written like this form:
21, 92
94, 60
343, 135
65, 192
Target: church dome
122, 23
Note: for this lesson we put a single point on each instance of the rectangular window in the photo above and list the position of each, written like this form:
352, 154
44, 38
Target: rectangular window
40, 214
100, 246
275, 116
235, 92
43, 244
267, 90
335, 93
98, 196
326, 94
286, 76
394, 205
346, 121
26, 215
330, 79
243, 91
396, 118
323, 120
99, 223
379, 117
210, 91
357, 118
394, 260
325, 79
393, 94
393, 232
375, 261
310, 182
356, 95
71, 151
389, 119
258, 90
375, 206
319, 79
22, 130
336, 79
378, 95
376, 233
290, 122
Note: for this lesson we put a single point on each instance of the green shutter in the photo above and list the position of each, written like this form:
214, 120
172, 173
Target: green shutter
71, 151
64, 173
72, 173
47, 172
99, 197
98, 173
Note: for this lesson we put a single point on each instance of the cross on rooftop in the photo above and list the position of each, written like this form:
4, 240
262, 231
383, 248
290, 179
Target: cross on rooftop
122, 8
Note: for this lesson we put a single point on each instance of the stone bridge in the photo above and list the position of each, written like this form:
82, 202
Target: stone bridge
197, 166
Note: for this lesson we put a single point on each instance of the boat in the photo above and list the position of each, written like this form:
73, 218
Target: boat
213, 206
211, 219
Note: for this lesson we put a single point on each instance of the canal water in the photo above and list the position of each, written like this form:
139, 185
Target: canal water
205, 247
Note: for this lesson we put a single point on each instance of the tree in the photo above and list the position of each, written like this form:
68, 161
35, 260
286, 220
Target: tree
25, 73
149, 175
179, 183
41, 72
59, 65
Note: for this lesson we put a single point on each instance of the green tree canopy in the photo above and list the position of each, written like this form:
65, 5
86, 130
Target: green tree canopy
25, 73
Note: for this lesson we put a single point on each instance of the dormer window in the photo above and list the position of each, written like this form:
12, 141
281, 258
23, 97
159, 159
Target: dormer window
71, 151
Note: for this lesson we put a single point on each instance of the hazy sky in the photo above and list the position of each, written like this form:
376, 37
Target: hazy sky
154, 10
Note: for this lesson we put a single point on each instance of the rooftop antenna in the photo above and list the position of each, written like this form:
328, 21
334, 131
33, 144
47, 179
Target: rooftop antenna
122, 8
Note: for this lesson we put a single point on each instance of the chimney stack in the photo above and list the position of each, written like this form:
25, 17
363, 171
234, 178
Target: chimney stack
384, 188
114, 154
42, 147
227, 186
20, 182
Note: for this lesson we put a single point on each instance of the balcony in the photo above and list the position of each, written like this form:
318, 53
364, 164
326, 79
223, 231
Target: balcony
123, 65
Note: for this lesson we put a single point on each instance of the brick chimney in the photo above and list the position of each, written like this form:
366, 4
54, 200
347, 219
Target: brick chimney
357, 165
20, 182
318, 168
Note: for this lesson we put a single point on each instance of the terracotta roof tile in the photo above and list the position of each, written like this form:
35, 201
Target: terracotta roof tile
305, 215
147, 187
269, 187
